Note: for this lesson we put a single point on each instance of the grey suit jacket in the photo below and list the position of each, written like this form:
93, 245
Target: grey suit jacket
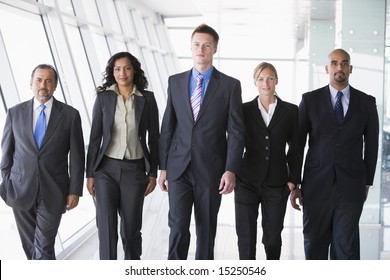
346, 154
56, 170
146, 117
215, 142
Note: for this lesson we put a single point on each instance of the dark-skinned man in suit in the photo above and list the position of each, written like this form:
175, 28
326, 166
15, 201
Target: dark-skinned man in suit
342, 126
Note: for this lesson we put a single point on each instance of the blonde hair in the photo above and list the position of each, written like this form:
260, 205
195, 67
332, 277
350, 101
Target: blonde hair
259, 68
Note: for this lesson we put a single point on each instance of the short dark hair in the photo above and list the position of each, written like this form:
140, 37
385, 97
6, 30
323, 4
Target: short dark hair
140, 81
204, 28
46, 66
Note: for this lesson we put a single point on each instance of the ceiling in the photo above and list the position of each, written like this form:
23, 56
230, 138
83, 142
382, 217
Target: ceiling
273, 23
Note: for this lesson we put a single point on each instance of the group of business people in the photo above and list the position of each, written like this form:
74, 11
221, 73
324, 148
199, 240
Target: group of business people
210, 144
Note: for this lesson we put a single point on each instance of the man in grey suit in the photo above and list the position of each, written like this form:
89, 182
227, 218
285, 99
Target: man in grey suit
343, 127
42, 178
201, 145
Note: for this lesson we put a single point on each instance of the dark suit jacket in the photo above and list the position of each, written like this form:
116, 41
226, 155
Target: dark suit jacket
346, 154
27, 170
265, 160
214, 143
146, 117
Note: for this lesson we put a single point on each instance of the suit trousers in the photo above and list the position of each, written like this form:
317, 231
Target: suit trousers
120, 186
332, 224
185, 193
37, 230
273, 201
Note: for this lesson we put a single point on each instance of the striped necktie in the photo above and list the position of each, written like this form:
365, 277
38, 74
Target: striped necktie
196, 96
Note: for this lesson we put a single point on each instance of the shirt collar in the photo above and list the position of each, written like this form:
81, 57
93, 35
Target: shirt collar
114, 87
48, 103
334, 91
270, 105
206, 74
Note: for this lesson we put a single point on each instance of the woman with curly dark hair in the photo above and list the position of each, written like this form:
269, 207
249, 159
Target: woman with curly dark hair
121, 162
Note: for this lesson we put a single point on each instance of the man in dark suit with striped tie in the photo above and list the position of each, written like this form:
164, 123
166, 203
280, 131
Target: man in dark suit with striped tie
201, 144
343, 128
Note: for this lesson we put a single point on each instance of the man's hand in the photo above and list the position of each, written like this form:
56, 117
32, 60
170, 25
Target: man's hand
162, 180
151, 185
71, 201
90, 186
228, 182
296, 194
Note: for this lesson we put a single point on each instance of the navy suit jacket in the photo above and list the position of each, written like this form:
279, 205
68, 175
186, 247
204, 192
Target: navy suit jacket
344, 155
265, 160
146, 118
214, 143
56, 170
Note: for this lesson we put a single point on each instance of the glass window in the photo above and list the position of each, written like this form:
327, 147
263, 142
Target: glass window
138, 21
101, 49
108, 13
152, 32
154, 79
83, 71
87, 9
26, 50
66, 6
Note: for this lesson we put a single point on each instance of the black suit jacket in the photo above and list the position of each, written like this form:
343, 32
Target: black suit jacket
146, 117
56, 170
265, 161
214, 143
344, 155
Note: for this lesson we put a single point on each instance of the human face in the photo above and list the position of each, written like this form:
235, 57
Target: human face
43, 84
339, 69
266, 82
123, 72
203, 49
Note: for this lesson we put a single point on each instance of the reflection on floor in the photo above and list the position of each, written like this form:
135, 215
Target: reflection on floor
155, 235
375, 240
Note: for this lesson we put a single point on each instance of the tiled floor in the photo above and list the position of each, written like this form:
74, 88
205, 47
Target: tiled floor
156, 231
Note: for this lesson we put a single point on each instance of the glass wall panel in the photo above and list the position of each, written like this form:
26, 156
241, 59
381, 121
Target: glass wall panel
109, 16
89, 11
138, 21
26, 50
81, 63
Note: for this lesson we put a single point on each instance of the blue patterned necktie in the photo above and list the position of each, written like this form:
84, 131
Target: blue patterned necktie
338, 108
40, 127
196, 96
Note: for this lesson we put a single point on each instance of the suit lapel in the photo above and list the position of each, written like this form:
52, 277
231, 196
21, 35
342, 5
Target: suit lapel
255, 114
55, 117
352, 103
109, 108
326, 98
139, 103
28, 125
280, 110
182, 91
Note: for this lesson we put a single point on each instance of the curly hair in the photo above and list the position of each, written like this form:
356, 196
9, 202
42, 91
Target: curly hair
140, 81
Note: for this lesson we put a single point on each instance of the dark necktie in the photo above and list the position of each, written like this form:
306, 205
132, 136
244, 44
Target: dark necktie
40, 127
338, 108
196, 96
